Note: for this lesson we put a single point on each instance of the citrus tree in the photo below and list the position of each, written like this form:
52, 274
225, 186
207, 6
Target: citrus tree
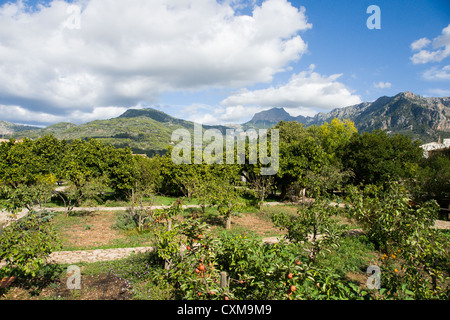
312, 227
416, 256
227, 199
26, 243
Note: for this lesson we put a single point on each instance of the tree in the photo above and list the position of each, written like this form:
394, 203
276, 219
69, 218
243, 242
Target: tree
88, 161
328, 178
26, 243
313, 227
296, 159
148, 172
226, 197
334, 136
137, 211
377, 158
121, 170
261, 185
399, 227
30, 160
434, 177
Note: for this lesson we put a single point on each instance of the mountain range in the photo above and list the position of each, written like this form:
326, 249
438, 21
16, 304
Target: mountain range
149, 130
407, 113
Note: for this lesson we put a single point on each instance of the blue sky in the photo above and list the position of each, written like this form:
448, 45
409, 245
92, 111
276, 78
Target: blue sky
214, 62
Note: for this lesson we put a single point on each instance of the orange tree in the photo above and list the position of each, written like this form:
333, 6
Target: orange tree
313, 227
26, 243
416, 255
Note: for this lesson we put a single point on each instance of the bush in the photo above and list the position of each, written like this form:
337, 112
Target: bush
26, 244
402, 230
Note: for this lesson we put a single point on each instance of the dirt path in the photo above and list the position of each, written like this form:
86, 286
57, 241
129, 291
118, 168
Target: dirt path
5, 217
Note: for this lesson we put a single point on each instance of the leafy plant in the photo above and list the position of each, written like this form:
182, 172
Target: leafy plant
402, 230
312, 227
26, 244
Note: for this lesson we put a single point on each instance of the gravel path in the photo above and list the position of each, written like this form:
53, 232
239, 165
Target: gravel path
95, 255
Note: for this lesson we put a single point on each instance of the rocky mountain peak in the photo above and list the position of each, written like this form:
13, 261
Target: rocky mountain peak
272, 115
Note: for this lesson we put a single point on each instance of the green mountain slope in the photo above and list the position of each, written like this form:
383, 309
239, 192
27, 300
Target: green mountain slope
145, 131
8, 128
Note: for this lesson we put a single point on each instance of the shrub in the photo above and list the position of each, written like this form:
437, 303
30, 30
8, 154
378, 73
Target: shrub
26, 244
402, 230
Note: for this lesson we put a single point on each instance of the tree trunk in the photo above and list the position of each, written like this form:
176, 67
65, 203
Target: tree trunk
228, 222
283, 192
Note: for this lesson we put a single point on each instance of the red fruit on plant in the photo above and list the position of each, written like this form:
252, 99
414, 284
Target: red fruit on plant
196, 270
188, 248
298, 262
290, 275
201, 267
293, 288
226, 298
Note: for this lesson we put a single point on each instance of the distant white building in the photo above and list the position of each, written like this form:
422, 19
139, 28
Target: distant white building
434, 146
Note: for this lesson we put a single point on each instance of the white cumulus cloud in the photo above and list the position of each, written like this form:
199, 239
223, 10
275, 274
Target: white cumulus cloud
305, 91
439, 51
382, 85
121, 53
435, 73
419, 44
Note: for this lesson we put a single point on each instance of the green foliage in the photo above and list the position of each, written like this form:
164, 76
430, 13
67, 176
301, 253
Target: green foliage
377, 158
27, 196
166, 233
403, 229
313, 227
334, 136
389, 216
28, 161
296, 159
434, 177
26, 244
226, 197
148, 172
330, 177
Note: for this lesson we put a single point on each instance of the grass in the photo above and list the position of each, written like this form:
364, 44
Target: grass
353, 254
95, 230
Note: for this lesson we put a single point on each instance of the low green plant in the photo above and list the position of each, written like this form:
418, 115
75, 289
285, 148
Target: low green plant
26, 244
403, 231
313, 226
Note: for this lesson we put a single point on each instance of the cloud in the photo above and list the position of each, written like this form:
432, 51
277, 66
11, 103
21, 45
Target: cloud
440, 92
213, 115
437, 74
306, 91
14, 113
419, 44
440, 46
116, 52
382, 85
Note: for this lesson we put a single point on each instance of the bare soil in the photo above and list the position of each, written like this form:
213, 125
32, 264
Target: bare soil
93, 287
255, 223
96, 230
